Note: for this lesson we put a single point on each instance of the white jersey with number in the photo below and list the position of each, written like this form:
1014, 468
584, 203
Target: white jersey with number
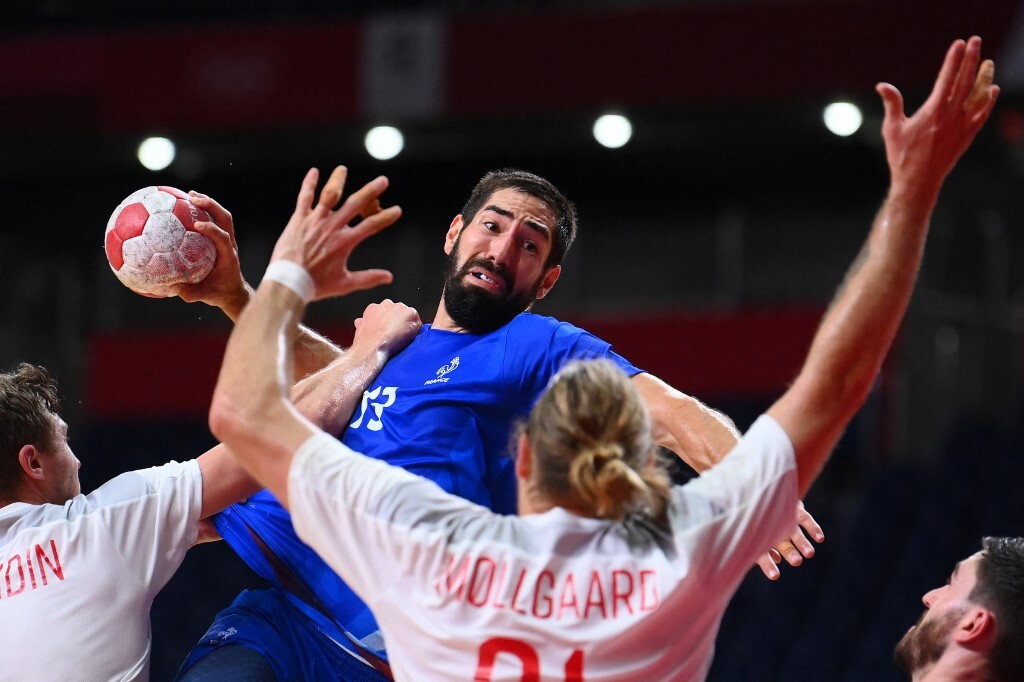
464, 594
77, 580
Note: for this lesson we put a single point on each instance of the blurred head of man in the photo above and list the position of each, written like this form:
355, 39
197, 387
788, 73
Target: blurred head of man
973, 626
36, 462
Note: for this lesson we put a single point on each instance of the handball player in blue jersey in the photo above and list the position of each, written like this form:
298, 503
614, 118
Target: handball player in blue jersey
443, 408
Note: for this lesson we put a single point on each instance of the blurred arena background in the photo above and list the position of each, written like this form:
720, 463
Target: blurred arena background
710, 243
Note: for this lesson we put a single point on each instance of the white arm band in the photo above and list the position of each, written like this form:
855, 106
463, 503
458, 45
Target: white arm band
293, 276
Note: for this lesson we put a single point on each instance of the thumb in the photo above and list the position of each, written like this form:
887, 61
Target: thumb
892, 100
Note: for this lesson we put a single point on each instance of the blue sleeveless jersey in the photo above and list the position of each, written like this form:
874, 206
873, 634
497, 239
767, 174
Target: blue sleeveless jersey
444, 408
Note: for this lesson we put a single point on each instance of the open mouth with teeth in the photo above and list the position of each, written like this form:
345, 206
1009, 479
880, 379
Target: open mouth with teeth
488, 280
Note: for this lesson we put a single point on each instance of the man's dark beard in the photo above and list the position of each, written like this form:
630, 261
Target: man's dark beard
473, 308
923, 645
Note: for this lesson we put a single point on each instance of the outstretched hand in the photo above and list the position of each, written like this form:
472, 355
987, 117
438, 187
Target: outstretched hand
796, 547
320, 239
922, 149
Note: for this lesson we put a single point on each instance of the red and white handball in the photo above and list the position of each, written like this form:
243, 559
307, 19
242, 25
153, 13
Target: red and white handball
151, 243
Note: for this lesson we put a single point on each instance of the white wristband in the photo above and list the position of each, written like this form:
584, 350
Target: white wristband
293, 276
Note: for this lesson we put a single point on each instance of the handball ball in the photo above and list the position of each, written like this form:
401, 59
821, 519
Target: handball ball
151, 243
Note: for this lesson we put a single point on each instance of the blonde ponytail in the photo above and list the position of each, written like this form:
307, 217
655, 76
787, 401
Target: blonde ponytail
590, 436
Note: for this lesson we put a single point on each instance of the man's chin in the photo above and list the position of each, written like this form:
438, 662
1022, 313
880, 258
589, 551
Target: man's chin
478, 310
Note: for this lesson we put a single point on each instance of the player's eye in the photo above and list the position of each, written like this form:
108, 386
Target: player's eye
530, 247
491, 225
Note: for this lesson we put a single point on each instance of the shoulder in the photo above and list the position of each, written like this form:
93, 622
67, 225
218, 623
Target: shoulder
168, 478
538, 325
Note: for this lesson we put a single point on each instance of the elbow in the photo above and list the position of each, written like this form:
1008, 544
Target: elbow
225, 418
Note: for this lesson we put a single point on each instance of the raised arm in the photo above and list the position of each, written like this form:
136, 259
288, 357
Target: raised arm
327, 398
858, 329
251, 410
225, 287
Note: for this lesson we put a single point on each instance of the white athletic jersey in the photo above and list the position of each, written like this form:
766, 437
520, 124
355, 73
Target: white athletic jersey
462, 593
77, 581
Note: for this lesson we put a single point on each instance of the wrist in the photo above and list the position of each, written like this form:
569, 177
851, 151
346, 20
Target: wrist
293, 276
371, 347
233, 304
917, 197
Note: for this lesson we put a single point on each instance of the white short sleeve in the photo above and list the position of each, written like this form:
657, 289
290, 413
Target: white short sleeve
80, 577
735, 511
153, 516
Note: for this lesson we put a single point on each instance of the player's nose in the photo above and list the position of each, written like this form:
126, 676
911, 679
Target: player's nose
501, 249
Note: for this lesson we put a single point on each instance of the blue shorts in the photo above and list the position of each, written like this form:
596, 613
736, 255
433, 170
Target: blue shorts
296, 649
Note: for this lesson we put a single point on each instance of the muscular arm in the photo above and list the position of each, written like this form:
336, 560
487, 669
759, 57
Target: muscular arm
858, 329
326, 398
252, 412
699, 435
313, 351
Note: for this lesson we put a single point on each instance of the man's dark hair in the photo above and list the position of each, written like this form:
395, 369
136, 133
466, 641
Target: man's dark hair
1000, 589
28, 401
537, 187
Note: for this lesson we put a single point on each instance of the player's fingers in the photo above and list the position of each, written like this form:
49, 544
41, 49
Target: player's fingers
372, 207
802, 544
979, 118
946, 81
304, 202
377, 222
219, 236
368, 279
220, 215
982, 85
768, 567
333, 188
361, 197
892, 100
807, 522
790, 553
965, 77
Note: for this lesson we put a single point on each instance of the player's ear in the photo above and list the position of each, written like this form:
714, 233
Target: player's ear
550, 277
31, 461
976, 629
453, 234
524, 458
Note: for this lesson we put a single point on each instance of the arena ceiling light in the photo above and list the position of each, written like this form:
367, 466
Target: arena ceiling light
156, 153
384, 142
842, 118
613, 130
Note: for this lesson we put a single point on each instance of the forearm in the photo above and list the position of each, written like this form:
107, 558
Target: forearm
859, 327
251, 413
855, 335
312, 351
328, 397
